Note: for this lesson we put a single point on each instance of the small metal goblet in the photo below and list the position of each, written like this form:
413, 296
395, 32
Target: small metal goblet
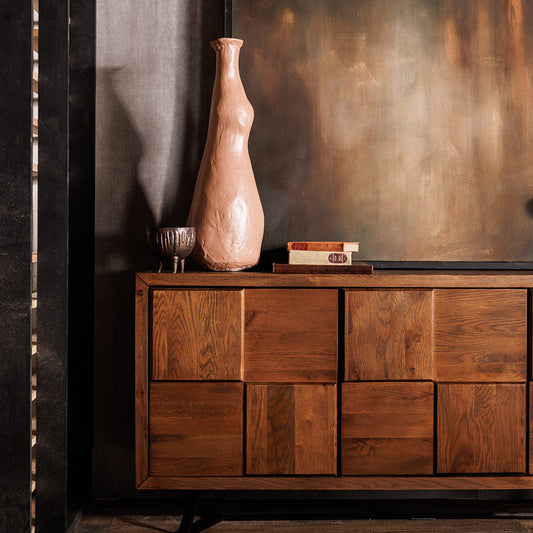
172, 244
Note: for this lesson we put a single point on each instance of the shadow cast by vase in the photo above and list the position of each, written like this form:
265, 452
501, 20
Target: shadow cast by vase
123, 211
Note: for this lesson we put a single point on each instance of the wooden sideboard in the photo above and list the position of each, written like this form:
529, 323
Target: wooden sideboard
399, 380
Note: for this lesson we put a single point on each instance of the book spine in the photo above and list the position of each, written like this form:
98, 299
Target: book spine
303, 257
324, 246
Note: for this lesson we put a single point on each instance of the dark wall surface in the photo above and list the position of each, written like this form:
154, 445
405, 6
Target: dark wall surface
154, 76
15, 265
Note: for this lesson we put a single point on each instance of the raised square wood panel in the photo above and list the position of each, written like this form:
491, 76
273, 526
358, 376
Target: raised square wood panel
290, 335
291, 429
387, 428
480, 334
388, 335
481, 428
196, 429
197, 334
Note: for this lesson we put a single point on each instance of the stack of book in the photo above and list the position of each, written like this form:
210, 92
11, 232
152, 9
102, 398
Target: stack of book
321, 252
322, 257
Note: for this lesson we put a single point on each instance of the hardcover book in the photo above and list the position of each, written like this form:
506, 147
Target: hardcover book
304, 257
326, 246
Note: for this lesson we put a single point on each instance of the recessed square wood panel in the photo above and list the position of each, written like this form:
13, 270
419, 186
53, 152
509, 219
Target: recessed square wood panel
196, 429
387, 428
290, 335
389, 335
480, 334
291, 429
197, 334
481, 428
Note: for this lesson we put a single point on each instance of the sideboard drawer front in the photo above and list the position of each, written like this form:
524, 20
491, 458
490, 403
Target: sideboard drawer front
387, 428
290, 335
481, 335
196, 429
291, 429
388, 335
197, 334
481, 428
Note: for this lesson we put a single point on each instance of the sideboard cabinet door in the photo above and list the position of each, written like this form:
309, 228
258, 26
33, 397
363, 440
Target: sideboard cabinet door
290, 335
481, 428
387, 428
197, 334
388, 335
481, 335
291, 429
196, 429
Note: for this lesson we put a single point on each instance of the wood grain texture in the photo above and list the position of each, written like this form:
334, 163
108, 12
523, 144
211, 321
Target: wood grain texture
197, 334
530, 442
291, 429
387, 428
417, 279
366, 483
196, 429
388, 335
480, 335
481, 428
290, 335
141, 381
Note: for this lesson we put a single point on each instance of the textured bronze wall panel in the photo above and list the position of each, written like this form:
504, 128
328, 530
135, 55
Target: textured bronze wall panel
405, 125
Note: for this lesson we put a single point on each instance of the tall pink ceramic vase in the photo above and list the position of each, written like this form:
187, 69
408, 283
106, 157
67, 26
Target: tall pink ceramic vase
226, 209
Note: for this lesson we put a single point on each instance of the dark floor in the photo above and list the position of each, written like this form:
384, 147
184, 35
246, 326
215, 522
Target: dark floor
331, 516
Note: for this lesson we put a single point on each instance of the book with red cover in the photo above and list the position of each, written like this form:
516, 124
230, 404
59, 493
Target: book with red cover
324, 246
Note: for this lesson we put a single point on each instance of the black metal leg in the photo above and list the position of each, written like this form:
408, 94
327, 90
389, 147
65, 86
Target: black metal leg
209, 517
187, 520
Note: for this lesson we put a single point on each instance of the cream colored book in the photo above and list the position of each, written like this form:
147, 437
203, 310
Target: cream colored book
304, 257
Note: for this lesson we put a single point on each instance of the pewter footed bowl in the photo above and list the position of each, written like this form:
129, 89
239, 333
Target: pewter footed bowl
171, 244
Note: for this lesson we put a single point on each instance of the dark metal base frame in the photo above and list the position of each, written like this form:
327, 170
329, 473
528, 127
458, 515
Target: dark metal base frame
209, 517
409, 506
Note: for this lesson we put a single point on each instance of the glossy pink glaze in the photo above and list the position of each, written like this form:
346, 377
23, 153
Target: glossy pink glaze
226, 209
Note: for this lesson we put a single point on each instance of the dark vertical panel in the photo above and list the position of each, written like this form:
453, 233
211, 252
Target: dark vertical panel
227, 18
15, 264
81, 253
53, 266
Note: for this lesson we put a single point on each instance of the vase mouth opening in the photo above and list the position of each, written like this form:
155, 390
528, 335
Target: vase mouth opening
226, 42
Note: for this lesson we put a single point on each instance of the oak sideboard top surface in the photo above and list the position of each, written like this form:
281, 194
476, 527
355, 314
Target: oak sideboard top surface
380, 278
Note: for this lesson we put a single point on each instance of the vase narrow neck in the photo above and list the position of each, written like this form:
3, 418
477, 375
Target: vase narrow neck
227, 51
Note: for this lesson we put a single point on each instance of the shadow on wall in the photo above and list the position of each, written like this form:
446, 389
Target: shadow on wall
119, 251
123, 212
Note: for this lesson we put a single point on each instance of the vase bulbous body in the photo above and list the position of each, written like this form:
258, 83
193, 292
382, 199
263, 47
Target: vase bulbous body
226, 209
